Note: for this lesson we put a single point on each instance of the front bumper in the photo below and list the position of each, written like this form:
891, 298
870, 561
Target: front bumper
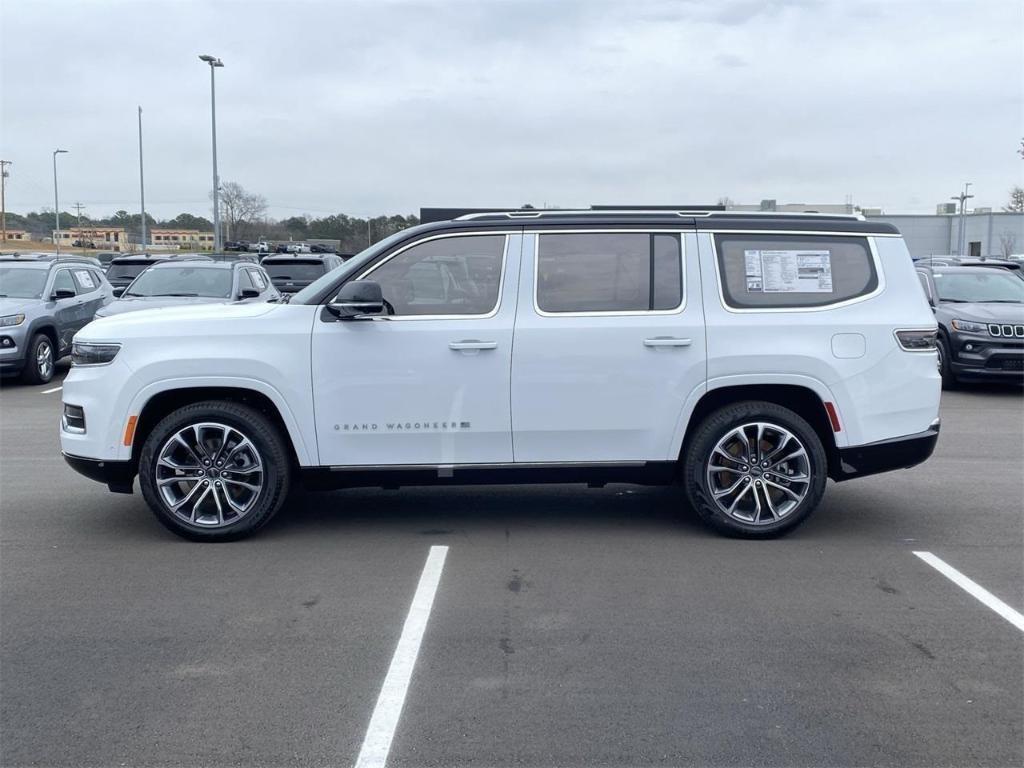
886, 455
117, 475
983, 357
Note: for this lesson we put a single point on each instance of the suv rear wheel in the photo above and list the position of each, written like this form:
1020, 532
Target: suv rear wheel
214, 471
39, 360
755, 469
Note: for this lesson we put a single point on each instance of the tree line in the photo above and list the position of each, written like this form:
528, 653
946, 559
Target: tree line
243, 217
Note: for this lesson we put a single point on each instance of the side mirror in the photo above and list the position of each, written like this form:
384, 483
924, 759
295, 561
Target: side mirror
60, 293
118, 292
249, 293
357, 298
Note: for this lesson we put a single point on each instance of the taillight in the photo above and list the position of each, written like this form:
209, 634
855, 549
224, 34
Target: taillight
917, 341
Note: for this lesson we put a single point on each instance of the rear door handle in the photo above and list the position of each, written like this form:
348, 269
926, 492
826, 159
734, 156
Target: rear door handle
667, 341
472, 344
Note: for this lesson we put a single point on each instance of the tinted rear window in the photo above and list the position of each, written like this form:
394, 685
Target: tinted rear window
294, 269
793, 271
127, 270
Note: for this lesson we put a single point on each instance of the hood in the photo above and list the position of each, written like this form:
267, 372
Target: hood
195, 318
135, 303
12, 306
986, 313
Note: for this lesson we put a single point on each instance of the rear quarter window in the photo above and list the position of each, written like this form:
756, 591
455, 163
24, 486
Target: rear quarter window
793, 271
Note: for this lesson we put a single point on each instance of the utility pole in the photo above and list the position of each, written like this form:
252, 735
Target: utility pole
56, 200
142, 186
3, 200
78, 210
963, 197
215, 63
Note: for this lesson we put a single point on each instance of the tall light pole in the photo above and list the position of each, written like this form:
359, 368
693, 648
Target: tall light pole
56, 199
142, 185
214, 62
3, 201
963, 197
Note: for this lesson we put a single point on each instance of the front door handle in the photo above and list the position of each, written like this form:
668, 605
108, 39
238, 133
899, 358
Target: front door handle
667, 341
472, 344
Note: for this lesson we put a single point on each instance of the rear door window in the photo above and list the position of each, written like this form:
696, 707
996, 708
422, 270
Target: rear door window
763, 271
85, 281
609, 272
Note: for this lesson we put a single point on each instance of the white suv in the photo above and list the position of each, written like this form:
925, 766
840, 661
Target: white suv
747, 357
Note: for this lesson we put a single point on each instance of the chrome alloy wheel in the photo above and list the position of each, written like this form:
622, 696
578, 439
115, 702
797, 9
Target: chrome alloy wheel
44, 360
758, 473
209, 474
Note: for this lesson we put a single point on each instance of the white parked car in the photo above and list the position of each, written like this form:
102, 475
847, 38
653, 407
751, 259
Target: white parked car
747, 357
298, 248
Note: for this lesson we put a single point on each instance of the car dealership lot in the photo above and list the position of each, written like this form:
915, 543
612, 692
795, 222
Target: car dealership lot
570, 626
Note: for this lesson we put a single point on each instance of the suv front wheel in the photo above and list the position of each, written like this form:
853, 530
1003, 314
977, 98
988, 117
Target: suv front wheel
214, 471
39, 360
755, 469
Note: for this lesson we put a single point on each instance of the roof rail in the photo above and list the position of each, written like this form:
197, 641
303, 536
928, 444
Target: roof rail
654, 212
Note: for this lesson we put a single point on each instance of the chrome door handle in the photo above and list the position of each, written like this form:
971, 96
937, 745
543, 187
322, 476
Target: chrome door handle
667, 341
472, 344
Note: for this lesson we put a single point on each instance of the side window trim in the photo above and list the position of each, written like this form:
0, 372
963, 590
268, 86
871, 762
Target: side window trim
679, 234
719, 279
368, 272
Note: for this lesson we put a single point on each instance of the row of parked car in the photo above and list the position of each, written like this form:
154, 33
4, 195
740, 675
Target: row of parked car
45, 299
262, 246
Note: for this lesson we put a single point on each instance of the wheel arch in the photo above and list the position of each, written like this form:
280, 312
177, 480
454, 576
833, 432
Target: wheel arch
50, 329
799, 398
160, 404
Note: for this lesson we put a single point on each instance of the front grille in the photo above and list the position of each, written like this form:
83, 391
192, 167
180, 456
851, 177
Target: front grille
1006, 331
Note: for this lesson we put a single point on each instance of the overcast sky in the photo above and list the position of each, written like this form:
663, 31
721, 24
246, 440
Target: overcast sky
381, 107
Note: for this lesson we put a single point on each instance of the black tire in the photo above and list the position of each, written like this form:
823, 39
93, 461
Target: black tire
949, 380
273, 452
714, 428
34, 373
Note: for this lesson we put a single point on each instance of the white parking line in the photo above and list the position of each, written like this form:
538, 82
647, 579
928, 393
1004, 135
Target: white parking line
374, 753
51, 391
974, 589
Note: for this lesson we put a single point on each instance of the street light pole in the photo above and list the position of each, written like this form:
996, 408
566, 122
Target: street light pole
214, 62
142, 185
56, 199
963, 197
3, 200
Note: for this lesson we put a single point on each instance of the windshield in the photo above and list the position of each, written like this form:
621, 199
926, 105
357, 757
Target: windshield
980, 287
295, 269
127, 272
22, 283
182, 281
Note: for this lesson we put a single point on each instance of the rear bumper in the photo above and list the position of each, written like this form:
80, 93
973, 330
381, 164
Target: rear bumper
118, 476
886, 455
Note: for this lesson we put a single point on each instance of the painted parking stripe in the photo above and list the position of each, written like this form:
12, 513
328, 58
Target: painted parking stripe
974, 589
51, 391
377, 744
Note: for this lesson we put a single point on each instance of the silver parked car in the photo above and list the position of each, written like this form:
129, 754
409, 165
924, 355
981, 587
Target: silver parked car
44, 301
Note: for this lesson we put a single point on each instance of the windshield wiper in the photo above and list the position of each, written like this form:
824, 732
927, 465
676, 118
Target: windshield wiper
1001, 301
185, 295
955, 301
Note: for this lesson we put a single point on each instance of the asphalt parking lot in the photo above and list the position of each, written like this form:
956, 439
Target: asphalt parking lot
570, 626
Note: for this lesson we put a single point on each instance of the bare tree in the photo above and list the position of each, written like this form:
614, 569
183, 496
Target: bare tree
240, 209
1016, 204
1007, 243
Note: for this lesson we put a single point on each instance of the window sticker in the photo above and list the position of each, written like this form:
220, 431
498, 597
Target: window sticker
788, 271
85, 278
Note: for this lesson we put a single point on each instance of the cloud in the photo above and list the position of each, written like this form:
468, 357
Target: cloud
372, 107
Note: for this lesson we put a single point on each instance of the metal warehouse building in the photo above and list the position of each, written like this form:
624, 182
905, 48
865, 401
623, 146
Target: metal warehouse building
986, 233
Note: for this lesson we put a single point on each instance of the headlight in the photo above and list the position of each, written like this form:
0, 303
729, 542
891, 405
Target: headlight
85, 353
968, 326
9, 320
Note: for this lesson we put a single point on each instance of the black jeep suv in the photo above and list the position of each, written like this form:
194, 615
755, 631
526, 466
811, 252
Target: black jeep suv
980, 311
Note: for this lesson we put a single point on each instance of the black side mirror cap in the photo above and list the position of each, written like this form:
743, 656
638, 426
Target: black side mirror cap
118, 292
357, 299
62, 294
249, 293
